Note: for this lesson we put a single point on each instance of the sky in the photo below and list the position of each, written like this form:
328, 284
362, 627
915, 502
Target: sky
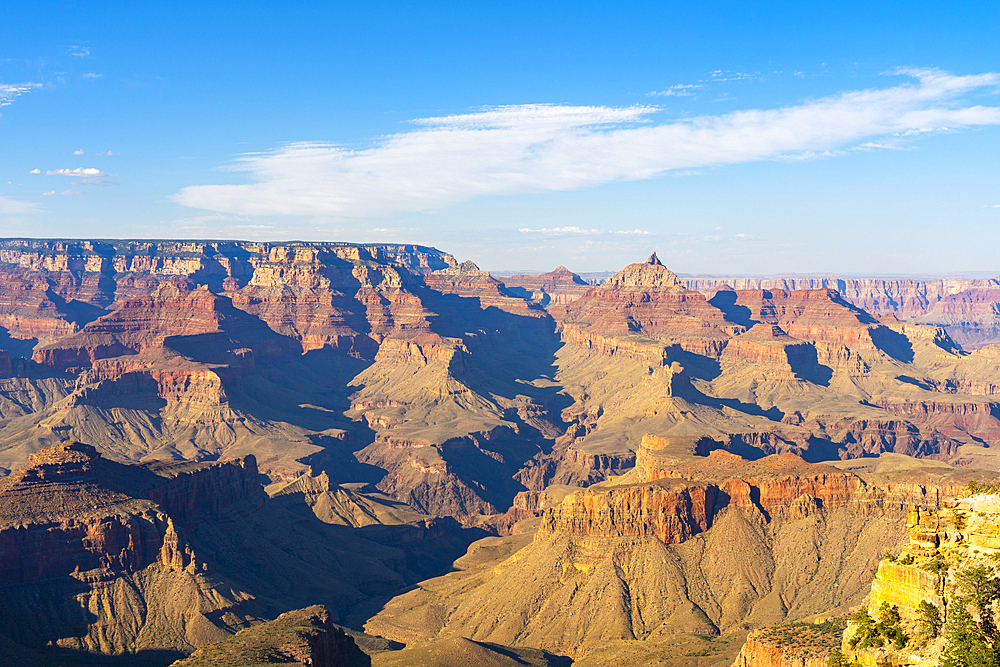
730, 138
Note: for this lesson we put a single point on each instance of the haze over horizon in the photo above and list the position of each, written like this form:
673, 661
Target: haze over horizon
835, 138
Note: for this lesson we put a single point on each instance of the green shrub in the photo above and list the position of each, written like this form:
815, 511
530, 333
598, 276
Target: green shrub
928, 619
972, 641
872, 634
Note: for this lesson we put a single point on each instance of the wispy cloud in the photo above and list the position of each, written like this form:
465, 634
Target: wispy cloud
720, 75
992, 206
79, 171
79, 152
679, 90
79, 51
64, 193
92, 75
94, 182
561, 231
35, 171
538, 148
10, 91
580, 231
882, 145
14, 207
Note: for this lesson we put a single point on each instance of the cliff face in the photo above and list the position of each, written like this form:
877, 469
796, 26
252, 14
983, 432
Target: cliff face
174, 556
71, 535
796, 354
966, 307
793, 645
961, 534
649, 300
461, 392
198, 350
681, 543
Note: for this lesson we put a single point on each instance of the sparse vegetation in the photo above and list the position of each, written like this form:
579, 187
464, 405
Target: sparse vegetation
836, 659
975, 488
938, 565
906, 559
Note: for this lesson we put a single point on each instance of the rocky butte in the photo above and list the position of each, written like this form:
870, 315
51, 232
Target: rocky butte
198, 437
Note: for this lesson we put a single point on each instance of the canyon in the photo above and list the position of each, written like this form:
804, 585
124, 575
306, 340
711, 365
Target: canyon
199, 437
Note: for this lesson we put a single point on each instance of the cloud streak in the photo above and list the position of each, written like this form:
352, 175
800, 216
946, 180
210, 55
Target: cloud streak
540, 148
10, 91
90, 172
561, 231
14, 207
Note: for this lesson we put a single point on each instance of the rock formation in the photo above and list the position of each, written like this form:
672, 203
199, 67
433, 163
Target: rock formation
792, 645
556, 288
171, 557
651, 553
967, 308
399, 404
305, 637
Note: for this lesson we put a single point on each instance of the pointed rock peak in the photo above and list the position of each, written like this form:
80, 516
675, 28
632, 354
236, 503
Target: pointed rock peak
650, 274
561, 269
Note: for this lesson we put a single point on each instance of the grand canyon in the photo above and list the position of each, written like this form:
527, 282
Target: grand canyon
228, 453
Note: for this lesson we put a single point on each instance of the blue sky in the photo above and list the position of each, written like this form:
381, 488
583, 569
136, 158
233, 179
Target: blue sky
729, 137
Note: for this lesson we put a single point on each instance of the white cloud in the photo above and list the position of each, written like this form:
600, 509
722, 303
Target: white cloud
64, 193
92, 75
9, 91
79, 152
107, 153
14, 207
35, 171
79, 171
992, 206
635, 232
561, 231
538, 148
79, 51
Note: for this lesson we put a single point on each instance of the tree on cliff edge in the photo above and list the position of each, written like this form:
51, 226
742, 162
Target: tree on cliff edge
971, 637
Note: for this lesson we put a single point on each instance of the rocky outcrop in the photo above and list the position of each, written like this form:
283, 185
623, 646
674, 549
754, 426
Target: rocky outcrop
302, 637
649, 300
681, 543
556, 288
60, 517
945, 541
671, 512
793, 645
207, 491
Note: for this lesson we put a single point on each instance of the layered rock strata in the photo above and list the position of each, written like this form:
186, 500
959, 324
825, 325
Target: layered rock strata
651, 553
